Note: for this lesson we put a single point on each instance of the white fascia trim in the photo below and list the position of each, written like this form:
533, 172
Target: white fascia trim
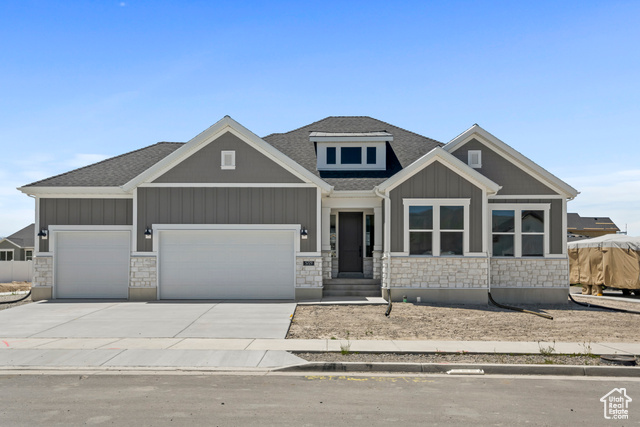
528, 196
45, 254
516, 157
13, 243
227, 185
77, 192
350, 138
448, 160
352, 193
54, 228
226, 124
144, 254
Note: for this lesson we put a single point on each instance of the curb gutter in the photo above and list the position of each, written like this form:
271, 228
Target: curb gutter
489, 369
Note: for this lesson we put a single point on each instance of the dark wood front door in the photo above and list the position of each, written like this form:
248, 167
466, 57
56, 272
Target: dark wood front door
350, 242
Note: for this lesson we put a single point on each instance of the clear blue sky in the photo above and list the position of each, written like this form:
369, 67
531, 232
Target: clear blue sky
559, 81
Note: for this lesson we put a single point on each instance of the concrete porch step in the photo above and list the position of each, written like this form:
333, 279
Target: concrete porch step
326, 282
343, 287
350, 293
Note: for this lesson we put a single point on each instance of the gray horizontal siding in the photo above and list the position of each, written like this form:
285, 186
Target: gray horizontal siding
227, 206
555, 224
84, 212
251, 166
514, 181
436, 181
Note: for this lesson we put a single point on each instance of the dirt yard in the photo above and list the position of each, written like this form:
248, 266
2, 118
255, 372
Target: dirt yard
14, 287
407, 321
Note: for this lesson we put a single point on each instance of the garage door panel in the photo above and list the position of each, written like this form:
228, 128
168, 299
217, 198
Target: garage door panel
92, 264
226, 264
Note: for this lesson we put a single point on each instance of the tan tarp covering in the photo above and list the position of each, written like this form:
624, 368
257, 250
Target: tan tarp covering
612, 260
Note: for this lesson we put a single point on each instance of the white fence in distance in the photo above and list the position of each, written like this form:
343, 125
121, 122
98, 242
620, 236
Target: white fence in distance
16, 271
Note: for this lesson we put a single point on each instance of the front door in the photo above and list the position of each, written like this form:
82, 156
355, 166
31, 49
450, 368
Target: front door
350, 242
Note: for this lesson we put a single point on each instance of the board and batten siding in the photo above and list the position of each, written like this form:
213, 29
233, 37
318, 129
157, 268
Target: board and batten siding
436, 181
251, 165
237, 205
555, 224
514, 181
83, 212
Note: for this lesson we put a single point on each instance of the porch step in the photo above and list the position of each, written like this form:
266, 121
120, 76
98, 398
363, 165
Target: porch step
351, 288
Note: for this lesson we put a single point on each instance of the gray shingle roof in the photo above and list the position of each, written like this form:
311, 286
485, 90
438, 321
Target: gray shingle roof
23, 238
112, 172
405, 148
576, 223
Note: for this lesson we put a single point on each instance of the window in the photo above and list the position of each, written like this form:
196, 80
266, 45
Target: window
6, 255
28, 255
371, 155
519, 231
437, 227
331, 155
228, 160
369, 236
474, 158
351, 155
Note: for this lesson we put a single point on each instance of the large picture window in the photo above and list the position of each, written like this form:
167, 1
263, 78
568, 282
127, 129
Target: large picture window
6, 255
520, 230
436, 227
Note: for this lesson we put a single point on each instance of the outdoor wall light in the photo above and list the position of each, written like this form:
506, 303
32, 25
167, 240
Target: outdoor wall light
303, 233
43, 234
148, 233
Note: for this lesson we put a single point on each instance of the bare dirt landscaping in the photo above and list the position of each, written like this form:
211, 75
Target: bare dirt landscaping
571, 323
14, 291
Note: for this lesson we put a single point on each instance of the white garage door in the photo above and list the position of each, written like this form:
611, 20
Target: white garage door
92, 264
226, 264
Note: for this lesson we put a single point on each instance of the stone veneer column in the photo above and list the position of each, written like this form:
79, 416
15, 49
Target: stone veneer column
377, 264
327, 261
143, 278
42, 282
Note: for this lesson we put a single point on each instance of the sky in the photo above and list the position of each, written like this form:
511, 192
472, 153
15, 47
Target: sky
559, 81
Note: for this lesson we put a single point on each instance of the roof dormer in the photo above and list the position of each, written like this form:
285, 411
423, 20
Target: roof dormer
350, 150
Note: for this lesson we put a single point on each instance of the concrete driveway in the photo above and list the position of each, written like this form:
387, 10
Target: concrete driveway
158, 319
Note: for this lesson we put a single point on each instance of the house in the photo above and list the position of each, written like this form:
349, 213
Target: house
590, 226
231, 215
19, 246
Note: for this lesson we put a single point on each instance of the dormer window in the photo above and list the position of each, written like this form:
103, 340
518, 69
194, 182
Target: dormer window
351, 151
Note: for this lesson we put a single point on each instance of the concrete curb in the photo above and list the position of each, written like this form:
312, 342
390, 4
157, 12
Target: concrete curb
489, 369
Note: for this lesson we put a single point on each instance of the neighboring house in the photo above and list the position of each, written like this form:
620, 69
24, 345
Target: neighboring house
232, 215
590, 226
18, 246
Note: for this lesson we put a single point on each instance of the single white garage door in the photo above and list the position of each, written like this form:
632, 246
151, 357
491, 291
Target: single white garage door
226, 264
92, 264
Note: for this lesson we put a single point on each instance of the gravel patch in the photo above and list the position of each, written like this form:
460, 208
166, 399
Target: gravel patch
572, 323
14, 287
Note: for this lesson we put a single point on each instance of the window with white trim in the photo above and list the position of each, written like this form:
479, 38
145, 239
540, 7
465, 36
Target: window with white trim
6, 255
520, 230
28, 255
227, 160
436, 227
474, 158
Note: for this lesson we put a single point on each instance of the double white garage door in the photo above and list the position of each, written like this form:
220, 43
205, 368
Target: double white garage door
192, 264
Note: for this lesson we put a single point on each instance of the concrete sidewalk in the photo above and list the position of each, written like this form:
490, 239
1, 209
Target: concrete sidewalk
247, 353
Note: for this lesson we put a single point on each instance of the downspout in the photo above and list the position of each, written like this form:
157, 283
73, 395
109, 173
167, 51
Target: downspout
386, 255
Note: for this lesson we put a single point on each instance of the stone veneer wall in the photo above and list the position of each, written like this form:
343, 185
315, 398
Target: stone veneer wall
439, 272
143, 272
42, 271
326, 265
529, 273
377, 264
309, 276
